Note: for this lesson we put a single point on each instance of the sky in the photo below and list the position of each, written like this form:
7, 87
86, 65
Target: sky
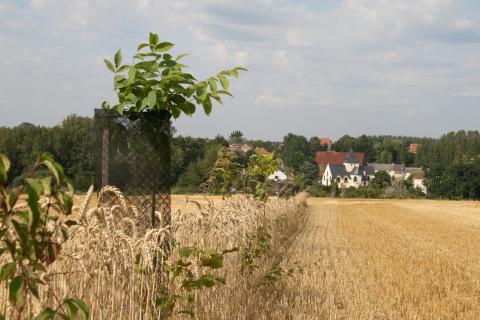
316, 68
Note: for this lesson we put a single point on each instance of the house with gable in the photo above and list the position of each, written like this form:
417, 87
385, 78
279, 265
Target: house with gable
323, 158
351, 173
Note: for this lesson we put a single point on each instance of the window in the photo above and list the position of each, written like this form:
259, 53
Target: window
355, 179
338, 179
345, 179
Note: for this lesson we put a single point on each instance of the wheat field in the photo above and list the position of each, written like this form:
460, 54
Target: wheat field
350, 259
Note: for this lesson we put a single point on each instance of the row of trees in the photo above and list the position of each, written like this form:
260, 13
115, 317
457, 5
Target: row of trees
450, 162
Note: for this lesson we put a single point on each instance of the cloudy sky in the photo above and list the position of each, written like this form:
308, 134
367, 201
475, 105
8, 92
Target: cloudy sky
317, 68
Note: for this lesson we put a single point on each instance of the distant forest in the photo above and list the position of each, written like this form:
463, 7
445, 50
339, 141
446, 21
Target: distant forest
451, 162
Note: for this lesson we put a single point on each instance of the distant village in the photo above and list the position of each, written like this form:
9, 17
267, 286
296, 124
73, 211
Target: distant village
346, 169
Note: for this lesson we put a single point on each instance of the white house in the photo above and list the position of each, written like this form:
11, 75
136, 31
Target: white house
396, 171
277, 176
419, 182
348, 174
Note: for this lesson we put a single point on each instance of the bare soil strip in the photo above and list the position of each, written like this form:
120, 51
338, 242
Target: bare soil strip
385, 260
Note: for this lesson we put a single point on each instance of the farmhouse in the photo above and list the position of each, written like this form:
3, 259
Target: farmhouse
419, 181
348, 174
396, 171
323, 158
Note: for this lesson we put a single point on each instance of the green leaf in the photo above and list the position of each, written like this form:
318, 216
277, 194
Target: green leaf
213, 84
47, 185
187, 251
8, 271
119, 108
207, 105
131, 73
4, 167
34, 187
16, 291
81, 306
105, 105
118, 58
109, 65
224, 81
144, 104
71, 307
234, 73
123, 68
5, 162
46, 314
153, 39
240, 69
187, 107
164, 46
141, 46
22, 232
221, 280
55, 169
225, 93
214, 261
152, 98
181, 56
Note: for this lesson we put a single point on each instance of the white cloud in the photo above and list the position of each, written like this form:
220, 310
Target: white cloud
463, 24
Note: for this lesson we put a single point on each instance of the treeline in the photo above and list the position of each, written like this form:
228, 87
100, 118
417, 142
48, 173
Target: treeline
451, 163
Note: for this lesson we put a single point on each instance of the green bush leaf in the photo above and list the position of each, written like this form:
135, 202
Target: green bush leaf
187, 107
207, 105
224, 81
22, 232
131, 73
55, 169
5, 162
141, 46
80, 306
164, 46
109, 65
8, 271
118, 58
16, 292
187, 251
213, 84
181, 56
152, 98
46, 314
153, 39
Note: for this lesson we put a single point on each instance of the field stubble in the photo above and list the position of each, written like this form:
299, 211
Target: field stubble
386, 260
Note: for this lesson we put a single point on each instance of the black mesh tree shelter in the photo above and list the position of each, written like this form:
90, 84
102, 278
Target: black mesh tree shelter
133, 155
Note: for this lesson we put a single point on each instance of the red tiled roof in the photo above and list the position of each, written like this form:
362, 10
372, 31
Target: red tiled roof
326, 141
414, 147
262, 151
333, 157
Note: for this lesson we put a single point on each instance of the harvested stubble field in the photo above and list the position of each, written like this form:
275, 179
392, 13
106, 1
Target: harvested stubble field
386, 259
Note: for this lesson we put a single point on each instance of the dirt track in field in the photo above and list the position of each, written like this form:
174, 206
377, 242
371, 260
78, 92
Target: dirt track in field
386, 259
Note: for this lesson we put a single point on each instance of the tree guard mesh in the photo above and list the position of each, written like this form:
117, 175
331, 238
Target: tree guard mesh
133, 156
